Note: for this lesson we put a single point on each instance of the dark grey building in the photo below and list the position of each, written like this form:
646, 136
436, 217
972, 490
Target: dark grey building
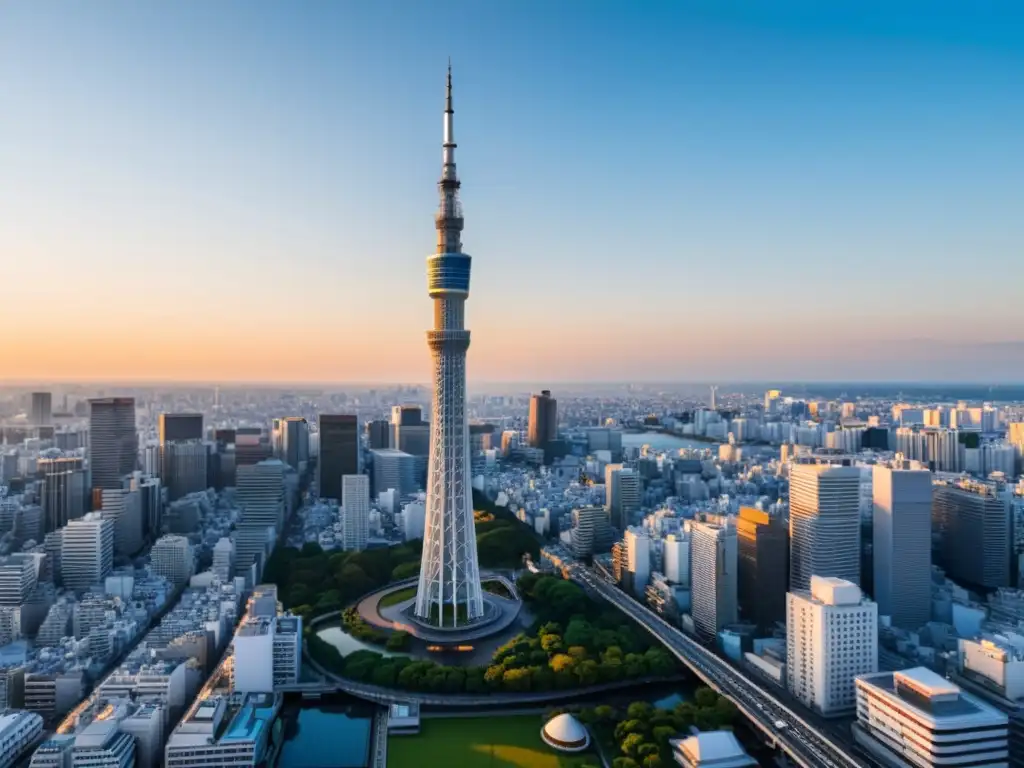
339, 452
42, 409
180, 426
972, 528
762, 567
543, 426
113, 442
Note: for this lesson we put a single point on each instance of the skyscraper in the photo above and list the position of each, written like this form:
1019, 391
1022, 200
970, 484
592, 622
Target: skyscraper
261, 495
339, 452
355, 516
294, 442
622, 494
42, 409
62, 492
183, 454
113, 443
543, 426
450, 574
378, 434
902, 543
763, 567
824, 523
87, 551
974, 528
180, 426
714, 581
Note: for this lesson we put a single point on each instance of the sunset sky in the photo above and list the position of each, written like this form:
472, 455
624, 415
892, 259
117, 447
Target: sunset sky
222, 191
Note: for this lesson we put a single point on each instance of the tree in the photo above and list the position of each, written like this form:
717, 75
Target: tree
494, 676
398, 641
647, 749
639, 710
561, 662
578, 652
630, 745
405, 571
653, 761
551, 628
603, 713
516, 680
551, 643
627, 727
625, 762
705, 697
579, 633
662, 734
587, 672
726, 711
311, 549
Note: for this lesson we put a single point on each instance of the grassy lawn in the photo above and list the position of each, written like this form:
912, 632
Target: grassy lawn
480, 742
397, 597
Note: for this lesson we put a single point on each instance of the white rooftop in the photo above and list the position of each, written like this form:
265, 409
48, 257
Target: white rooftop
715, 749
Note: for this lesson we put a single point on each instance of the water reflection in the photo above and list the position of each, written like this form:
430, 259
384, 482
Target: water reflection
337, 736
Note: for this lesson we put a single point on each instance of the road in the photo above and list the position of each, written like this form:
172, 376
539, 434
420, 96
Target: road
805, 743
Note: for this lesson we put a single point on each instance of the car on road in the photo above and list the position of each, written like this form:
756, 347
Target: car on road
781, 724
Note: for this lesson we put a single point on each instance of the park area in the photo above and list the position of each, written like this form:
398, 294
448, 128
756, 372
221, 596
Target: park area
481, 742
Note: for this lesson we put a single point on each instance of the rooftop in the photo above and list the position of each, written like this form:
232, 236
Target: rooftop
931, 697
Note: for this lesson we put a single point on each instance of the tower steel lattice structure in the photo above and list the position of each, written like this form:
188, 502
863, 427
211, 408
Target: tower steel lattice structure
449, 591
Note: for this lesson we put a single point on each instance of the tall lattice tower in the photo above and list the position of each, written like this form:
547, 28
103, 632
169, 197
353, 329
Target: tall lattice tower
449, 590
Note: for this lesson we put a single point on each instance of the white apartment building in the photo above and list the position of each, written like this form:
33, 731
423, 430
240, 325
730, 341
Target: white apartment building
714, 584
18, 731
918, 718
638, 559
87, 551
171, 557
355, 516
676, 558
824, 523
268, 653
224, 559
831, 637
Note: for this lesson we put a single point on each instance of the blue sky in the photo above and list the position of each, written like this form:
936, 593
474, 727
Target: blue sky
664, 190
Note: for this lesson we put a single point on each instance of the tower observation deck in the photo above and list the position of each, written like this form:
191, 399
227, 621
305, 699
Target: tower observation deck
449, 593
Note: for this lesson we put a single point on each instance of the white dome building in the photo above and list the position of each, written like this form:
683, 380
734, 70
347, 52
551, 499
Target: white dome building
565, 733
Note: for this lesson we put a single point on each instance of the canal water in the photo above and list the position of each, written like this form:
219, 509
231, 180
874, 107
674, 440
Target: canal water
326, 736
660, 441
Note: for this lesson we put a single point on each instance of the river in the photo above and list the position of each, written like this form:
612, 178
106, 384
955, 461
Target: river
661, 441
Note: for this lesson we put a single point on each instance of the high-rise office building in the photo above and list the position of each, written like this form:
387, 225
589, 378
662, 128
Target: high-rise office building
831, 637
378, 434
638, 559
591, 533
449, 586
42, 409
63, 491
355, 514
411, 434
714, 578
902, 543
183, 455
763, 572
622, 494
261, 496
123, 508
113, 442
180, 426
393, 469
172, 558
543, 424
339, 452
292, 442
972, 521
251, 446
86, 551
824, 523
